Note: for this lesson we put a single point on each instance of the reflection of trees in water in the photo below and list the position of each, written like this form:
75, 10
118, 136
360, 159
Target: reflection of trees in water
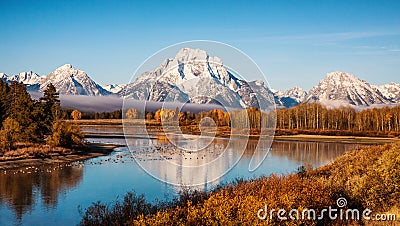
20, 191
313, 153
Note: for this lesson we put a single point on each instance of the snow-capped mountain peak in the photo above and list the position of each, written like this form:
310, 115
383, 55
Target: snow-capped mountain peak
290, 97
345, 89
64, 67
296, 93
187, 54
390, 91
66, 79
28, 78
191, 64
3, 76
192, 76
66, 70
339, 75
71, 81
114, 88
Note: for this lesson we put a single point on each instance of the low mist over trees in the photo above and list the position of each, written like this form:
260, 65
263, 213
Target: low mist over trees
304, 118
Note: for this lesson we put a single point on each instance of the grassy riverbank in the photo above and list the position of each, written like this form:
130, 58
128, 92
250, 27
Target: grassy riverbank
36, 155
367, 177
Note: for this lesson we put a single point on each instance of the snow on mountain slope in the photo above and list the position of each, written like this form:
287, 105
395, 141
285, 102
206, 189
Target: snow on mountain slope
195, 77
28, 78
114, 88
345, 89
192, 76
71, 81
3, 77
390, 91
66, 79
296, 93
290, 97
263, 93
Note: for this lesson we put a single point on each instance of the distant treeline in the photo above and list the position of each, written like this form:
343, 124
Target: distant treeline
303, 118
67, 114
246, 118
317, 117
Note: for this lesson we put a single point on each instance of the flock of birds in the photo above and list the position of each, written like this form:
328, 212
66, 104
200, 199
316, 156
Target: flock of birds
148, 153
43, 168
169, 152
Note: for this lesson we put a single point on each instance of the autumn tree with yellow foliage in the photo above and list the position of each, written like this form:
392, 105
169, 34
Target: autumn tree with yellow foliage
76, 115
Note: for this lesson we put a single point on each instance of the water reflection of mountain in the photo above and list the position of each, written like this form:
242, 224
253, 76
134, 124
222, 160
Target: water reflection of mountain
180, 166
21, 190
176, 166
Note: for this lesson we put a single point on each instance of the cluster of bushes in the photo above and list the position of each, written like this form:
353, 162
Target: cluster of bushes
134, 205
69, 114
25, 120
367, 177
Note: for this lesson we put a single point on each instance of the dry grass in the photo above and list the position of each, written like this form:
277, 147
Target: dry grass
96, 122
28, 151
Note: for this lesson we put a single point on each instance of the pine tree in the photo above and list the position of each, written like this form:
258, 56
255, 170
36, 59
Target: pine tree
51, 100
51, 106
4, 89
24, 110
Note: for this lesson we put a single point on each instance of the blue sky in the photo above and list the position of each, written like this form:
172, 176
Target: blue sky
293, 42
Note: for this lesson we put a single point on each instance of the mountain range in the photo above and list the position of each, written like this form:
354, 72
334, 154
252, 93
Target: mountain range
195, 77
66, 79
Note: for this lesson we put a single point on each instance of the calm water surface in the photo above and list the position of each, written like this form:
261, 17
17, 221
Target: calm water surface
51, 194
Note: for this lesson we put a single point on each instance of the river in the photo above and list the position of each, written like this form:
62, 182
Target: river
51, 195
